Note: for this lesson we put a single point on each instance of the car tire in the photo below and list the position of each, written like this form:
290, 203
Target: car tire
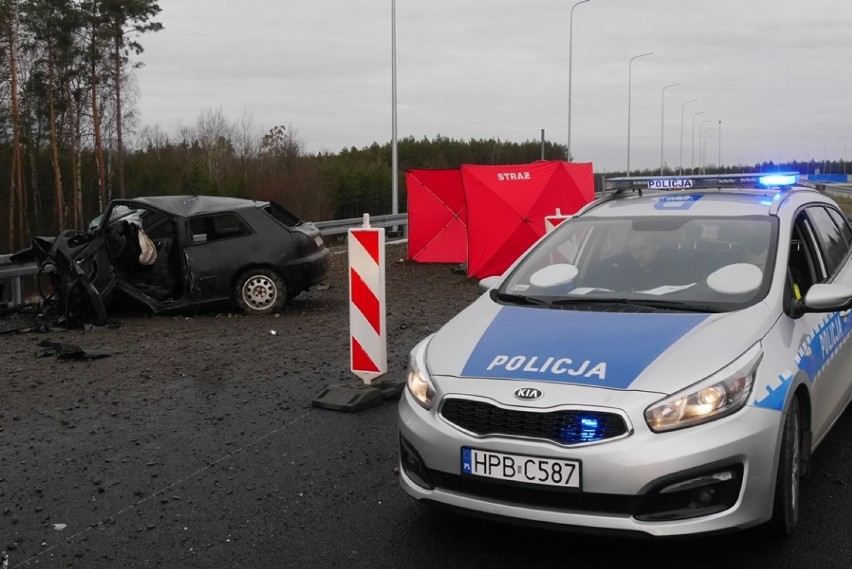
260, 291
785, 512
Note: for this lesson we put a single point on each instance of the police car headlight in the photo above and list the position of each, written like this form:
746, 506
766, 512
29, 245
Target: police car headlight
419, 383
718, 396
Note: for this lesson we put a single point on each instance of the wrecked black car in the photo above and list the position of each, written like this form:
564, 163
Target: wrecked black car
170, 253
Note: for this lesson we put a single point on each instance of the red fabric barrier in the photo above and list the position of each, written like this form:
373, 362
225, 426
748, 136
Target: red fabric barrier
506, 207
488, 215
437, 216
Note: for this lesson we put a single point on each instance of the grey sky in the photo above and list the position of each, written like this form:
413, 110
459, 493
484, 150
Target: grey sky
776, 73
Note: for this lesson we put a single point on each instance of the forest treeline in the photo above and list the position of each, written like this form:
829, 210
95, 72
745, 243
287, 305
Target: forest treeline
70, 139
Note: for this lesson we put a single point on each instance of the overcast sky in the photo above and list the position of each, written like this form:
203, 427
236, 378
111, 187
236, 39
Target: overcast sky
776, 73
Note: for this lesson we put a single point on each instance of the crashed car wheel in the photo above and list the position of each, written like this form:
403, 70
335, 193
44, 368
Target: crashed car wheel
260, 291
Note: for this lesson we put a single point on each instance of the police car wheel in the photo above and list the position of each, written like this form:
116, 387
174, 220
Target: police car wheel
785, 512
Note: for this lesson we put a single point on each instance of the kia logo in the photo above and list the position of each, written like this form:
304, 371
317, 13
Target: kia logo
528, 394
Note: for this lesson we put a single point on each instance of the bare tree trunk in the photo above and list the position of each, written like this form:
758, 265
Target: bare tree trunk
16, 189
96, 126
76, 197
14, 87
33, 151
119, 159
59, 197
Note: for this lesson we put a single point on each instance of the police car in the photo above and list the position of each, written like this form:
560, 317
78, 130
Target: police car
663, 363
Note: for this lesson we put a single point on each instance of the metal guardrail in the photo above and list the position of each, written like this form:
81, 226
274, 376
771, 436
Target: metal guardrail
840, 190
15, 272
341, 226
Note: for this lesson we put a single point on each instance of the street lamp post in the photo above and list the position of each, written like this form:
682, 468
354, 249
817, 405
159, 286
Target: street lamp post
568, 156
702, 146
663, 122
680, 162
719, 159
394, 151
629, 86
692, 167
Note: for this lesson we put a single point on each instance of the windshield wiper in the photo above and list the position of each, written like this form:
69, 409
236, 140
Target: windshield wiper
643, 303
517, 299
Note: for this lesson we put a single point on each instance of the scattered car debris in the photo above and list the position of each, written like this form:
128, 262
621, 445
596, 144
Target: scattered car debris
64, 351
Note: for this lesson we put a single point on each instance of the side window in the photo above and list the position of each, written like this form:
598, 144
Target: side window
207, 228
841, 223
282, 215
155, 224
830, 238
804, 268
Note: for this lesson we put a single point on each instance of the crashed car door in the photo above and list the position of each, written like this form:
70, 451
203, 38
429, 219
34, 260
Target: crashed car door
219, 248
81, 273
155, 278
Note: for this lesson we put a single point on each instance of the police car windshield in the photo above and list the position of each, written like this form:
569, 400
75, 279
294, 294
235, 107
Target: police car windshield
699, 263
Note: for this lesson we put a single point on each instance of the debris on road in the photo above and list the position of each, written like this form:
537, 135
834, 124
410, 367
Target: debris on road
64, 351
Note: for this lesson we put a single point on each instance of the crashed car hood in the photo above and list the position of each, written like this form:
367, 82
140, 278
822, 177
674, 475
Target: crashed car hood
660, 352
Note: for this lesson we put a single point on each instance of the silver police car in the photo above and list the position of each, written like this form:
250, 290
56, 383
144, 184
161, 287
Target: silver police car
663, 363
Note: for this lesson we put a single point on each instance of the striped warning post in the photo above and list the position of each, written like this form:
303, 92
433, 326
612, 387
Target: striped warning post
367, 333
551, 221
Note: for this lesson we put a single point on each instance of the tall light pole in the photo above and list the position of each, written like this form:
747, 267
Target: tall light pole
663, 122
394, 155
702, 146
843, 138
720, 146
692, 167
568, 156
680, 162
629, 86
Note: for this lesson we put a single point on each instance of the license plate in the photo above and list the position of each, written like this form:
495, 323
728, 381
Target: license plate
521, 468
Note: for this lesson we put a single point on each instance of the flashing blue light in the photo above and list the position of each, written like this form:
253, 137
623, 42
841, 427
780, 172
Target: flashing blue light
584, 429
778, 180
590, 429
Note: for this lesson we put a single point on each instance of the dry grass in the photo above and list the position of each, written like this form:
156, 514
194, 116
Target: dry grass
844, 203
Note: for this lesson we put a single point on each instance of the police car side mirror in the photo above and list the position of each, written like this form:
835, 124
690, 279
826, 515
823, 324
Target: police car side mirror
823, 298
489, 283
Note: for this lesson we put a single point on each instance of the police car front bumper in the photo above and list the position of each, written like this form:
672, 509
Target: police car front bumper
713, 477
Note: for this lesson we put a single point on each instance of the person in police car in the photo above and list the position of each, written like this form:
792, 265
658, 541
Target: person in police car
638, 268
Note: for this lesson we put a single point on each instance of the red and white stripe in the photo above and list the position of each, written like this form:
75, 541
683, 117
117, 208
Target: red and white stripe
367, 333
551, 221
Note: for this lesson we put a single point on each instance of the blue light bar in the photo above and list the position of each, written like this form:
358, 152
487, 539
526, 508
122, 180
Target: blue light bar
779, 179
713, 181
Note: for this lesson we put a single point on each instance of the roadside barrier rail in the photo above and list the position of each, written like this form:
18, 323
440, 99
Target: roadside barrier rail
342, 226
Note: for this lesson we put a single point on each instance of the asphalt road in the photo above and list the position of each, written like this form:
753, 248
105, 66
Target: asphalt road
319, 490
195, 445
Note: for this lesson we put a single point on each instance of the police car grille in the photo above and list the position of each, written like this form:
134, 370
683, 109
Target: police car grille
564, 426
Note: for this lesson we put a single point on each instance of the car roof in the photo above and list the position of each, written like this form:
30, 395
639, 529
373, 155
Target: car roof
195, 205
688, 203
711, 197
